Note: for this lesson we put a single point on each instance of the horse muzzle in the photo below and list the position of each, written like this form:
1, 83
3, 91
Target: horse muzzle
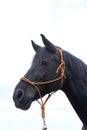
21, 101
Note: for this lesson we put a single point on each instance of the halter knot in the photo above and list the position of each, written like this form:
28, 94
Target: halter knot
43, 110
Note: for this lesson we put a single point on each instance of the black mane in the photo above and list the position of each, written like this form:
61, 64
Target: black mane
76, 65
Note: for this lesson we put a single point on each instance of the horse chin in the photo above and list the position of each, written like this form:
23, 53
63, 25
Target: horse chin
24, 106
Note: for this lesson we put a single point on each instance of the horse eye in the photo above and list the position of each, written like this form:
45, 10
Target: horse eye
44, 62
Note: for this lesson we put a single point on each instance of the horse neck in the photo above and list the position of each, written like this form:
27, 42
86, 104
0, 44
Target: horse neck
75, 86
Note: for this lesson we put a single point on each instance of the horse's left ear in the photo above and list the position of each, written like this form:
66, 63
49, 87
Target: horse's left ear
35, 46
50, 47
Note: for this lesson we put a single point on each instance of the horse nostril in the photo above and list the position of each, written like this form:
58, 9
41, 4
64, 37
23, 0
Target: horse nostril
19, 94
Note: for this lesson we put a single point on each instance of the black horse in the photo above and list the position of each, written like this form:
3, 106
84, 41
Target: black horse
48, 65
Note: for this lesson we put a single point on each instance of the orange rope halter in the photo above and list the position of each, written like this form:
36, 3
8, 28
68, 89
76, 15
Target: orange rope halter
34, 84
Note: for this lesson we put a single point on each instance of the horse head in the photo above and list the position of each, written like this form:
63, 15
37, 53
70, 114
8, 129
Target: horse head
42, 77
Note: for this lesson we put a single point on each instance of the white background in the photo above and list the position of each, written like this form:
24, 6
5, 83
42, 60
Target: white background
63, 22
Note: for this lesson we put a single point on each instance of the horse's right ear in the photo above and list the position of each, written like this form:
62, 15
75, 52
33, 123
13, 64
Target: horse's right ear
35, 46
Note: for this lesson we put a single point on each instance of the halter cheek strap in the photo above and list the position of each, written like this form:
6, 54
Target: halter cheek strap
34, 84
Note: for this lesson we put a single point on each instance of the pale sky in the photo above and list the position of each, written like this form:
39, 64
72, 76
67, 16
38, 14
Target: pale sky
64, 22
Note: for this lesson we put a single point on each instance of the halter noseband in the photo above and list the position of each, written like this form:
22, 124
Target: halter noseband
34, 84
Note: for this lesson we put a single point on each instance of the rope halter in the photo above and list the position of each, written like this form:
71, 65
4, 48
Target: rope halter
61, 67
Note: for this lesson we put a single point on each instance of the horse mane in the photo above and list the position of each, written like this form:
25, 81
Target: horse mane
76, 65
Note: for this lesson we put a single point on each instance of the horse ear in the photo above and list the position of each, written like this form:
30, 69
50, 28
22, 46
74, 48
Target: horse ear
50, 47
35, 46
